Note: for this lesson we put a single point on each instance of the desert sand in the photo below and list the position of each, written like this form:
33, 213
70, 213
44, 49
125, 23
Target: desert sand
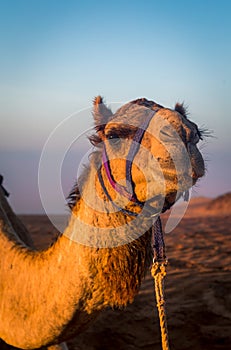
198, 287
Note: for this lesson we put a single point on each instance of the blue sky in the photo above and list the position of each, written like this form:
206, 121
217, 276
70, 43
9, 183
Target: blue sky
57, 55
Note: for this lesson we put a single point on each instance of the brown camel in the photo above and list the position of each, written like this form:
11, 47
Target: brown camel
146, 158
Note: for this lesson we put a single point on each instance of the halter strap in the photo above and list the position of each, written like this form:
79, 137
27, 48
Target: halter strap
128, 190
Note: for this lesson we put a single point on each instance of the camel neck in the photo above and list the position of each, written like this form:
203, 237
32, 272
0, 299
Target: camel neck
71, 281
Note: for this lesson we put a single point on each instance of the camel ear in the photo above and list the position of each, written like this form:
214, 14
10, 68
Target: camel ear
101, 113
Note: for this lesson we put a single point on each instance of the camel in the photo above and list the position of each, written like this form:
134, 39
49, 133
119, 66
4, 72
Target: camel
145, 158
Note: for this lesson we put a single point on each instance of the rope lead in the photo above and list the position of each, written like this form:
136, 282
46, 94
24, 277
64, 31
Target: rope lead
158, 272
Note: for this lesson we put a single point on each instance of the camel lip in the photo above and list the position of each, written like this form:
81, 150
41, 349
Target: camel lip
153, 210
197, 174
197, 161
169, 203
166, 202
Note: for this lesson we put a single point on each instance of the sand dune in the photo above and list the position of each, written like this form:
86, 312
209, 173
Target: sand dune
198, 288
221, 204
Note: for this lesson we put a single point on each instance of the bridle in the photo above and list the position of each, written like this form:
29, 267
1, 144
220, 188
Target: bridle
128, 190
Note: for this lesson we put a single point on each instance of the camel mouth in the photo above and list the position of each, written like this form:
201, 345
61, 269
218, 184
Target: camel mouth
159, 204
170, 200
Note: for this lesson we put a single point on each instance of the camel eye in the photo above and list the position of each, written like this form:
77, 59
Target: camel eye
114, 139
166, 134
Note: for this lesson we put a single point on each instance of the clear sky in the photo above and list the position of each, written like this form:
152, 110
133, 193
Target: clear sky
57, 55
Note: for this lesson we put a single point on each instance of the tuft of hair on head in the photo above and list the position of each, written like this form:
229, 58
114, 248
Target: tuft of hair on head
182, 109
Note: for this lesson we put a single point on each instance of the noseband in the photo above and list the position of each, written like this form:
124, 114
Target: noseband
128, 190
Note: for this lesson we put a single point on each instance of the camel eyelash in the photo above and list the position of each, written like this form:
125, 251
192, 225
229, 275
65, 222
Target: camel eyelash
123, 133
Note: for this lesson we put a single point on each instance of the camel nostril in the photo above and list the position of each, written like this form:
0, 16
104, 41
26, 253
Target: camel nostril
194, 136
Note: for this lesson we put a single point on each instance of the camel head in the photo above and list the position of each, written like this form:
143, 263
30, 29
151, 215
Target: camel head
148, 153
